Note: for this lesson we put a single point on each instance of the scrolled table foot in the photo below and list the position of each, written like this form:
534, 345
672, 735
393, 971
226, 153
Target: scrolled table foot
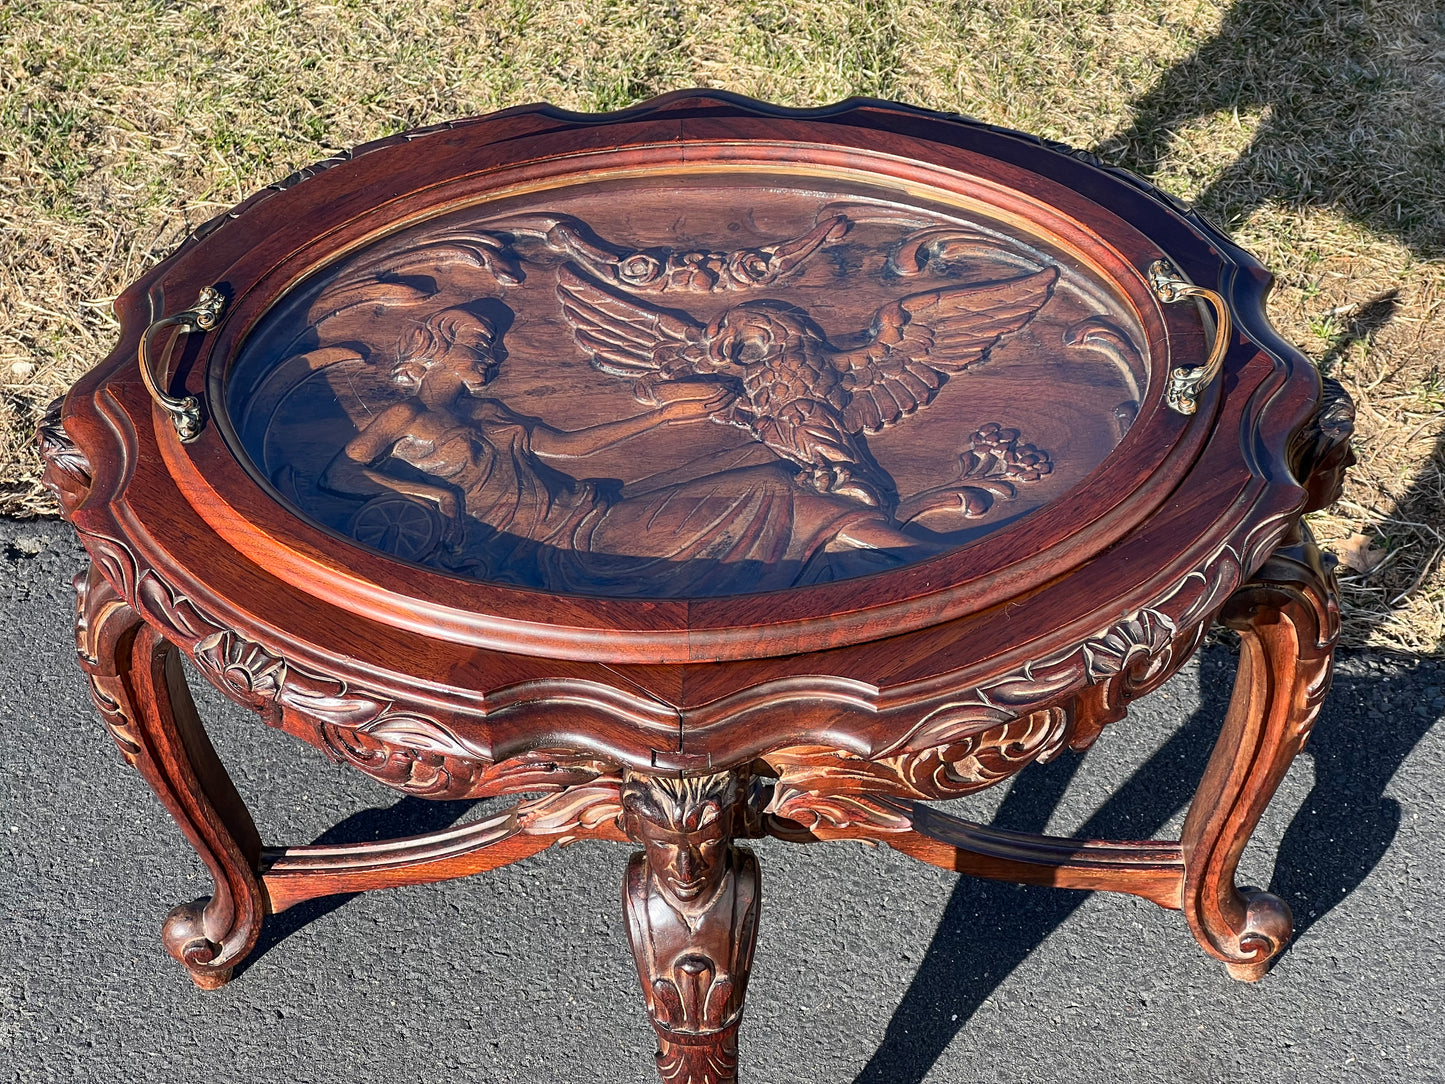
184, 935
691, 901
1288, 620
1267, 927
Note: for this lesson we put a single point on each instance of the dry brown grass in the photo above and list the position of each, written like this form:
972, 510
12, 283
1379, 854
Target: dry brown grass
1314, 130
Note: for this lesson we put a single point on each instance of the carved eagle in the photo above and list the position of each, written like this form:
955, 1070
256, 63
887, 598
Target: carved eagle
807, 400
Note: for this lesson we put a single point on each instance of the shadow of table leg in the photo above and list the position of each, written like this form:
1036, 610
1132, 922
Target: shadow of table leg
409, 816
960, 967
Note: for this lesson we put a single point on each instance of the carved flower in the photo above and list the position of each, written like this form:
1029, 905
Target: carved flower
250, 673
1030, 463
639, 269
749, 267
995, 452
694, 271
1137, 647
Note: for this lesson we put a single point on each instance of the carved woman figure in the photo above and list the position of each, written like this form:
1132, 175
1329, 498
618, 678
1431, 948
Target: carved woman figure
512, 516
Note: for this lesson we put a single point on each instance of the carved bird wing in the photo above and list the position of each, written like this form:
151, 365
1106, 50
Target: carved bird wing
919, 339
626, 338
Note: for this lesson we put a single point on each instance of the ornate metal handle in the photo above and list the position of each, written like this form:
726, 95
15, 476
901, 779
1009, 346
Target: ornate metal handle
186, 412
1185, 384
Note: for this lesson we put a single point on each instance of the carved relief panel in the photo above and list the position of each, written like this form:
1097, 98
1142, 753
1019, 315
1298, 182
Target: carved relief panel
685, 386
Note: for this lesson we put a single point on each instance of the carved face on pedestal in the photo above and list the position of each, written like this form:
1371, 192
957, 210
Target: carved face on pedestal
685, 826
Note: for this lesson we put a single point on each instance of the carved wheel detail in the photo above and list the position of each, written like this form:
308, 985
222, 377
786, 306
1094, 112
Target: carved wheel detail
397, 525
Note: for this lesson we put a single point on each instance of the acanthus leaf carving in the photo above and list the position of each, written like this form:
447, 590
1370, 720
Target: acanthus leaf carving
399, 746
174, 611
114, 559
415, 771
1137, 646
1093, 680
820, 786
252, 674
101, 618
67, 472
797, 814
414, 731
587, 806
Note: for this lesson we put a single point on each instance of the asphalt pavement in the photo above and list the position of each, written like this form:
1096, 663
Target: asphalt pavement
871, 968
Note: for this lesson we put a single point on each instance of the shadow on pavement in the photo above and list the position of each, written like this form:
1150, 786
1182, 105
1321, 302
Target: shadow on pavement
959, 968
1330, 75
408, 817
1341, 831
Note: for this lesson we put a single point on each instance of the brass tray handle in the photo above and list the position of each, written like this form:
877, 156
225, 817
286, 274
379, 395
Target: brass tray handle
1186, 384
202, 316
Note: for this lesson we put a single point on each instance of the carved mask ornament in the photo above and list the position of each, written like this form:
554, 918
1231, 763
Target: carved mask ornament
685, 826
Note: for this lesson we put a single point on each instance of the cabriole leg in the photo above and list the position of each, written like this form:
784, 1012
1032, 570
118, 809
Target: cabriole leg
137, 683
1288, 621
691, 902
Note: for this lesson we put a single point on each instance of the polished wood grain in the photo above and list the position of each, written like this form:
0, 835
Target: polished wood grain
137, 685
521, 470
1288, 621
403, 396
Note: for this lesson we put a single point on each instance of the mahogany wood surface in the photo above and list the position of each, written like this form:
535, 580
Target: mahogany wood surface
703, 471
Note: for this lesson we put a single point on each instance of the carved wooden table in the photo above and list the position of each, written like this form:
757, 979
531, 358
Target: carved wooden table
712, 471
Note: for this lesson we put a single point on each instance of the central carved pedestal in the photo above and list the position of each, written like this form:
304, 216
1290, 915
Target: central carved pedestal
691, 900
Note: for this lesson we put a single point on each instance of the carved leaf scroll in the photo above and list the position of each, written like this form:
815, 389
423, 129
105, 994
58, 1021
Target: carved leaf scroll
995, 463
822, 786
101, 617
664, 270
67, 472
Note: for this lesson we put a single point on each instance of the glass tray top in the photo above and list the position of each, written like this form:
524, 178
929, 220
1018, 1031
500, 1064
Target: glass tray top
676, 385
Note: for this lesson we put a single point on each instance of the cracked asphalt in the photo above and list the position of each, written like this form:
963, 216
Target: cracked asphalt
870, 967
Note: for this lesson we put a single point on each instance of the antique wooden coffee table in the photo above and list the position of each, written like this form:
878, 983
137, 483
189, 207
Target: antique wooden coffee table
701, 472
